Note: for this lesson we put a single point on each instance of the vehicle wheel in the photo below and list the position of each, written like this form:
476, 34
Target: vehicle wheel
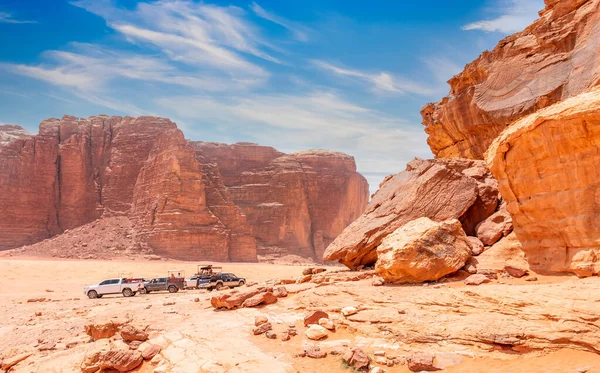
242, 283
127, 292
172, 289
99, 296
143, 291
218, 286
92, 294
147, 291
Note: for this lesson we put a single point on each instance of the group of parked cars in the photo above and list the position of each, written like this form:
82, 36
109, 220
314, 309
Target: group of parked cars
208, 277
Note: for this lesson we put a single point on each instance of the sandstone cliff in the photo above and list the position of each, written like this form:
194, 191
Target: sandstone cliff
555, 58
297, 202
78, 170
547, 166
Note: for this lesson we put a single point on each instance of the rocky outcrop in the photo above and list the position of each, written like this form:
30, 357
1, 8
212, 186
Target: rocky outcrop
439, 189
181, 203
422, 250
555, 58
296, 202
547, 167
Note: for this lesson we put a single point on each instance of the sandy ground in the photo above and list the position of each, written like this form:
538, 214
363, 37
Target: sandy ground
202, 339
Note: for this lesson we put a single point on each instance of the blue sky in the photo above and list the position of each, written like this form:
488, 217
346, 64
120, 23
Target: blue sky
346, 75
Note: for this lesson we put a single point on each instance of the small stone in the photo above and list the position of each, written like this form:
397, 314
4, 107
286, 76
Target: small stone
38, 313
377, 282
262, 328
379, 353
349, 311
285, 336
316, 332
131, 333
259, 320
531, 279
270, 335
356, 358
196, 300
476, 279
420, 362
381, 360
327, 324
315, 352
516, 271
314, 317
168, 304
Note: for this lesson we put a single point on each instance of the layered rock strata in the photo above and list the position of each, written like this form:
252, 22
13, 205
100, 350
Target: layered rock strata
78, 170
555, 58
547, 167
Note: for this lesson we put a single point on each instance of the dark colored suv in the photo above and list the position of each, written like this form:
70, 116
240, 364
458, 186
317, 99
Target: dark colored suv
219, 280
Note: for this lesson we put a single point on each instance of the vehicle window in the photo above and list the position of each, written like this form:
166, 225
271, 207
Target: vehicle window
112, 282
105, 282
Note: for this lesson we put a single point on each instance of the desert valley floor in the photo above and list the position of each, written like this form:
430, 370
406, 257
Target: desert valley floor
500, 326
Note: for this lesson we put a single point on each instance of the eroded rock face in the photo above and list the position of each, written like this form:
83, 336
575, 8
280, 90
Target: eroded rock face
297, 202
547, 167
422, 250
555, 58
187, 200
439, 189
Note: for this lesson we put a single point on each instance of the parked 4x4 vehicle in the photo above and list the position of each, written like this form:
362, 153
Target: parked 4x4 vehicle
219, 280
126, 286
162, 284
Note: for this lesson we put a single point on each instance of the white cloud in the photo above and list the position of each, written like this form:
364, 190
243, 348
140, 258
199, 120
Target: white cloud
515, 16
8, 18
189, 32
92, 68
322, 119
380, 82
300, 32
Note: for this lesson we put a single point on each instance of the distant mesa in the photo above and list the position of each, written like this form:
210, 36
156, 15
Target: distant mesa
185, 199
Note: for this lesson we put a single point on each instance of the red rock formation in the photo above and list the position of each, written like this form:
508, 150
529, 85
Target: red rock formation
185, 202
555, 58
547, 167
298, 202
439, 189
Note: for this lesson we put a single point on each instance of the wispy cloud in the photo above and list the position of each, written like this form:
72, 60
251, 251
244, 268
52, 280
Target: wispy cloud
442, 68
381, 81
301, 33
190, 32
92, 68
8, 18
515, 16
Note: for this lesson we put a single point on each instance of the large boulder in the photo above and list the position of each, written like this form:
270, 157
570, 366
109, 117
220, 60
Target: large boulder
438, 189
232, 300
119, 360
496, 226
423, 250
555, 58
547, 167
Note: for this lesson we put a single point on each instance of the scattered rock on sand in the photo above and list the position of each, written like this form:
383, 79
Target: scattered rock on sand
270, 335
316, 332
421, 362
515, 270
314, 317
476, 245
260, 298
327, 324
149, 352
492, 229
476, 279
131, 333
315, 352
262, 328
349, 311
232, 300
356, 358
259, 320
280, 292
